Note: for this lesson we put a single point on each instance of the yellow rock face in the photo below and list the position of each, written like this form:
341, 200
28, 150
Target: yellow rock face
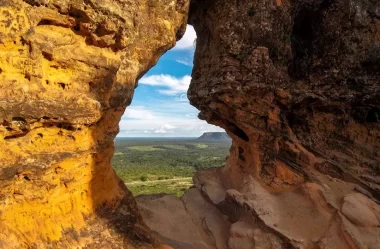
68, 70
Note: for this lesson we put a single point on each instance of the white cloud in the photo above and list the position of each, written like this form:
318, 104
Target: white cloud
169, 116
182, 98
158, 124
174, 85
139, 112
161, 131
188, 39
186, 62
166, 128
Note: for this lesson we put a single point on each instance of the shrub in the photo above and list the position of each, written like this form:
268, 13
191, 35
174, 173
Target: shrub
144, 178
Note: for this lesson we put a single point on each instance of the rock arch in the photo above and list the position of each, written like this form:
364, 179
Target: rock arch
301, 109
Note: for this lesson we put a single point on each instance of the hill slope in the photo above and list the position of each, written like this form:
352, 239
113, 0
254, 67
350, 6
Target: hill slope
215, 136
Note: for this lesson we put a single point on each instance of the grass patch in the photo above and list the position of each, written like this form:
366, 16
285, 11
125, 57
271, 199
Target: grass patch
153, 173
144, 148
118, 153
176, 188
201, 146
175, 146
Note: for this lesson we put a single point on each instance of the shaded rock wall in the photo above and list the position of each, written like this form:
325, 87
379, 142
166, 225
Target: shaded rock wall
295, 85
68, 70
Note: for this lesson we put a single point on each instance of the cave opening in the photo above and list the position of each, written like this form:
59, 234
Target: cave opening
302, 37
162, 142
373, 116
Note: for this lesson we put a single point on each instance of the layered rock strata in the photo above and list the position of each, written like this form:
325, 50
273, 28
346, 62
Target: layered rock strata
296, 86
68, 70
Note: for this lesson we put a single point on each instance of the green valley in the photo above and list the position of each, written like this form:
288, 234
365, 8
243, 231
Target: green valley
156, 165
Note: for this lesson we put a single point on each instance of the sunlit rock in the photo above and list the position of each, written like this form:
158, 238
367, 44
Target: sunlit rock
68, 70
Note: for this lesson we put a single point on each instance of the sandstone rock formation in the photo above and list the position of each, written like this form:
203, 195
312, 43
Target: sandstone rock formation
68, 69
296, 86
294, 83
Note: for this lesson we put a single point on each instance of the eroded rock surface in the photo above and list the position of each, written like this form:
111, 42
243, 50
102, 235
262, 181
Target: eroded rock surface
68, 70
296, 86
294, 83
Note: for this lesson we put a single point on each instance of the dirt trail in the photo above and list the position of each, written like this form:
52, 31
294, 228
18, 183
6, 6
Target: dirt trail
158, 181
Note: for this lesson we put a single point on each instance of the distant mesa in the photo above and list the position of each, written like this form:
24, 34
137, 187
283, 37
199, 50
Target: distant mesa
215, 136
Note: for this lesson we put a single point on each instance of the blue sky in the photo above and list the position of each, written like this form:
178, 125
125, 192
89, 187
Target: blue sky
160, 107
